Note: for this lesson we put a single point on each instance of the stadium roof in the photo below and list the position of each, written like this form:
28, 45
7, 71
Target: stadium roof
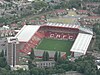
26, 32
63, 25
75, 25
81, 43
88, 30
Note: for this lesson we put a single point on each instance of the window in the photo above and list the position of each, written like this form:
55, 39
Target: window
43, 63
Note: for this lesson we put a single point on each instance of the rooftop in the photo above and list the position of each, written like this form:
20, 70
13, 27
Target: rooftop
63, 25
82, 11
81, 43
27, 32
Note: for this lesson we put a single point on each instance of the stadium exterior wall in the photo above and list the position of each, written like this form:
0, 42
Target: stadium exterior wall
77, 54
39, 53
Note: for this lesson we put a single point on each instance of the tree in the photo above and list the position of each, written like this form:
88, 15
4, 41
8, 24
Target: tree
65, 67
32, 56
56, 56
34, 71
59, 59
45, 56
86, 65
2, 54
3, 71
41, 71
30, 66
98, 72
3, 62
39, 5
59, 56
93, 72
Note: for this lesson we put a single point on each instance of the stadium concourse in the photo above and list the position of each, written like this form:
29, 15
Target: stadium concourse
72, 39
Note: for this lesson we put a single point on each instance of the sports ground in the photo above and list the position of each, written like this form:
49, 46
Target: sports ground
55, 45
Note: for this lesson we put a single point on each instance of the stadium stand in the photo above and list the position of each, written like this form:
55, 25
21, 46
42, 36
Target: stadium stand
63, 25
32, 42
60, 35
27, 32
40, 35
81, 44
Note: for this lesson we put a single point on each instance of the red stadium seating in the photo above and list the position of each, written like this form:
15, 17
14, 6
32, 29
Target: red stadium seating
60, 35
32, 42
40, 35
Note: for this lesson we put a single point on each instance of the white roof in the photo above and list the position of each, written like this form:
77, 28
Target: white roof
63, 25
12, 40
81, 43
26, 32
86, 30
98, 67
30, 0
16, 30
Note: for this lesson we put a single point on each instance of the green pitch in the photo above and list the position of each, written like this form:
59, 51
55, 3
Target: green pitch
55, 45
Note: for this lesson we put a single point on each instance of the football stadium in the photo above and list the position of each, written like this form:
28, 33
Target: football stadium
47, 38
69, 39
64, 34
